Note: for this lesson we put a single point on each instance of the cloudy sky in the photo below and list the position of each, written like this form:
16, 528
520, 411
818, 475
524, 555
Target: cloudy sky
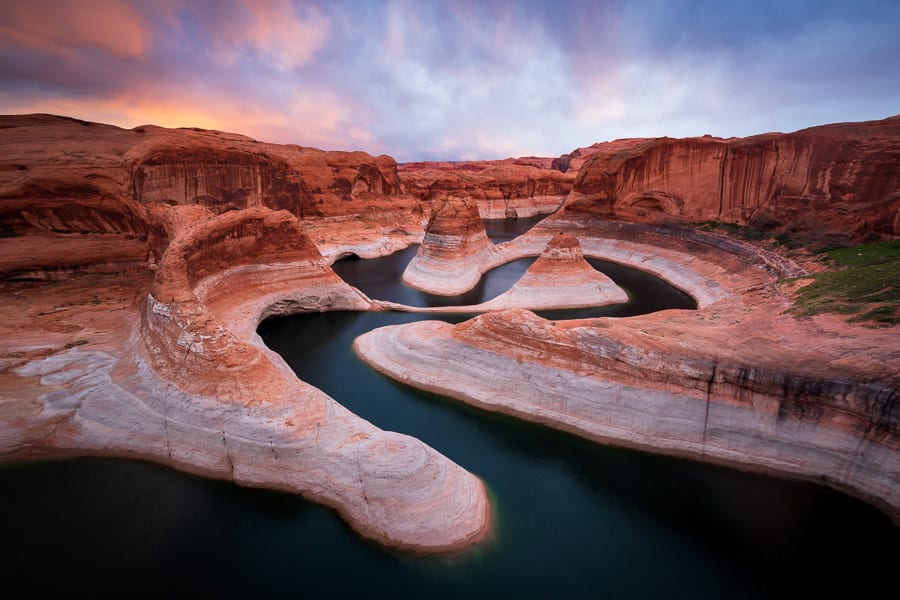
454, 80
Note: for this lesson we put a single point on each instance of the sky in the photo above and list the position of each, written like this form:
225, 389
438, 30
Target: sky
454, 80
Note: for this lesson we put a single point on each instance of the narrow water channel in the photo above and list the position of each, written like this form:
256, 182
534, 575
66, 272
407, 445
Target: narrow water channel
573, 518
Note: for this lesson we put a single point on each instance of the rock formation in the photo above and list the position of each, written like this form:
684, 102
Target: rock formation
501, 189
77, 194
735, 382
560, 278
142, 342
832, 184
573, 161
455, 250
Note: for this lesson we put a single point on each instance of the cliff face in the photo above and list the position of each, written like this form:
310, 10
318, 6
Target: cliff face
245, 173
837, 182
504, 188
69, 188
573, 161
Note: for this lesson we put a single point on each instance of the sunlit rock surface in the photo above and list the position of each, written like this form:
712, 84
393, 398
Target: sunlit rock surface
829, 184
455, 252
560, 278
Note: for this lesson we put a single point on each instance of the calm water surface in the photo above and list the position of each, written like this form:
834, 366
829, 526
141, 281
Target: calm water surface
573, 519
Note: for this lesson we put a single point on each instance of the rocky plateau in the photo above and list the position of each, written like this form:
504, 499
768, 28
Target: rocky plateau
136, 265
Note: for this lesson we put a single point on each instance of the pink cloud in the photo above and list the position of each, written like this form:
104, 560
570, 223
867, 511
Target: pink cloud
110, 25
276, 32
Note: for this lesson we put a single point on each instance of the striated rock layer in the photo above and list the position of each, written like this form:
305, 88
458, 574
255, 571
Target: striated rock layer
831, 184
135, 266
455, 250
736, 382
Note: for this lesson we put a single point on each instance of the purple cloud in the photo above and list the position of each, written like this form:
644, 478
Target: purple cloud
453, 80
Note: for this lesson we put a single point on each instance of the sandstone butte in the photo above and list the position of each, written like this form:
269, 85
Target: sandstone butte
137, 264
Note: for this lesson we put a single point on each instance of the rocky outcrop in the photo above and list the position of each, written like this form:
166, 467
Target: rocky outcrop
455, 251
501, 189
244, 173
560, 278
572, 162
834, 183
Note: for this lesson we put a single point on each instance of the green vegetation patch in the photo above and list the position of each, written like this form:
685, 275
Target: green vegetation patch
865, 283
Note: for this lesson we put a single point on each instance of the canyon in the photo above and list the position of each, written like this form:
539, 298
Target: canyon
136, 266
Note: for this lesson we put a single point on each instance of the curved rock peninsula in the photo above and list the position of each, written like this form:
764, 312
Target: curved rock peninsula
162, 361
736, 382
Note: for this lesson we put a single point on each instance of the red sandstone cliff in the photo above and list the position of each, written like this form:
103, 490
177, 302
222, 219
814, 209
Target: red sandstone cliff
834, 183
503, 188
572, 162
75, 193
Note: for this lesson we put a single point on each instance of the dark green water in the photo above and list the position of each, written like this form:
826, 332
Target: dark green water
573, 519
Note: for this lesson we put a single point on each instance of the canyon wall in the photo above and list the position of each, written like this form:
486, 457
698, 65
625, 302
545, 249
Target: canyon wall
831, 184
75, 194
137, 264
504, 188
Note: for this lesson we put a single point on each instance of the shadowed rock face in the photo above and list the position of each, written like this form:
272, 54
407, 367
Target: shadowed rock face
835, 182
455, 247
